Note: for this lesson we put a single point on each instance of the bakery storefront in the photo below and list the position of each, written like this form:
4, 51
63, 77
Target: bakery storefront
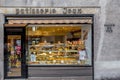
51, 44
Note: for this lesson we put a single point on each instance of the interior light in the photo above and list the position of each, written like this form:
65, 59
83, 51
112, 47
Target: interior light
33, 28
50, 52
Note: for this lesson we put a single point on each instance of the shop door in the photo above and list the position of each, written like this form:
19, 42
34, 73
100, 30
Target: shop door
14, 53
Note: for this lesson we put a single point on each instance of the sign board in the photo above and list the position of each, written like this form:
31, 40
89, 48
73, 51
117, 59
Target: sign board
63, 10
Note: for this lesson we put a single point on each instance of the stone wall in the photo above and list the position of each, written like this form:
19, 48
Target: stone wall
1, 46
106, 45
108, 56
111, 40
50, 3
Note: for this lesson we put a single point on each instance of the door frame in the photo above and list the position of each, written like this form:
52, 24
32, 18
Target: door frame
16, 31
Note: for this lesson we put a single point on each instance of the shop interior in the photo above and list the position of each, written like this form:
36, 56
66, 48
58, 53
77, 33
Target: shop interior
14, 55
59, 44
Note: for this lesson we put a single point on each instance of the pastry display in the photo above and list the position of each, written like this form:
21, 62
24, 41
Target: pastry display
57, 53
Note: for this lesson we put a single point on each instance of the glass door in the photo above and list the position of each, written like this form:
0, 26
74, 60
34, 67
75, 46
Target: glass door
14, 53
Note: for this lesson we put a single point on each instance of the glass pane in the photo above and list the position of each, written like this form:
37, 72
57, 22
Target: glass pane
59, 44
14, 55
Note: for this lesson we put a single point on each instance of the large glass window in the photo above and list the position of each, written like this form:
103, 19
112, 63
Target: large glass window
58, 44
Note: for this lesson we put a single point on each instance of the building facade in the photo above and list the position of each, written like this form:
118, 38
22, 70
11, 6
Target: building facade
100, 17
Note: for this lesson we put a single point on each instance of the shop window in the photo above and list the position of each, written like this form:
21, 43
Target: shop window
68, 44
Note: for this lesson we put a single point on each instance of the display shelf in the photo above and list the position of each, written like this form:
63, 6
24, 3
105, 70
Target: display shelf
58, 50
57, 54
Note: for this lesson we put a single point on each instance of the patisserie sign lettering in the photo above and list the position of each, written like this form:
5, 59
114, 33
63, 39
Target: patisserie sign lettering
48, 11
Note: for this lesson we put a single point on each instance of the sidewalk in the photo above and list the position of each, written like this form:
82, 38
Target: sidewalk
56, 78
107, 69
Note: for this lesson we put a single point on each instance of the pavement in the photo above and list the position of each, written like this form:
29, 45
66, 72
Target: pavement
107, 69
56, 78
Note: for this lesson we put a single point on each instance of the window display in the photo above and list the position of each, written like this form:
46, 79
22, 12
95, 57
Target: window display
59, 44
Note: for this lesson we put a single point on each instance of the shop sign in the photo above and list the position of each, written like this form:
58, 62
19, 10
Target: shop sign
48, 11
109, 27
37, 10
